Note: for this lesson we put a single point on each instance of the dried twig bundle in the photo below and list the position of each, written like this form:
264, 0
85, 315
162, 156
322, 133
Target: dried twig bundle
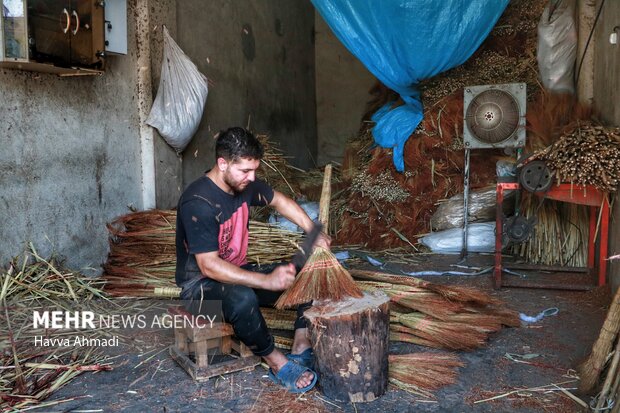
560, 235
586, 154
276, 169
421, 373
449, 335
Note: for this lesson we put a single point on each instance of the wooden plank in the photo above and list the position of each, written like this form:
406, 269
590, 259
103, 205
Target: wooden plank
207, 332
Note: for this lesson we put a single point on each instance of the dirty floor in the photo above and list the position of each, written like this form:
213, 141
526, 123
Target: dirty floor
146, 379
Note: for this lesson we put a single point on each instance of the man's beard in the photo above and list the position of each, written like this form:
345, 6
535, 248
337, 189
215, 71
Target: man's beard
234, 185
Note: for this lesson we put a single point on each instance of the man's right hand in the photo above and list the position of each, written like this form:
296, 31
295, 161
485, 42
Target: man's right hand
280, 278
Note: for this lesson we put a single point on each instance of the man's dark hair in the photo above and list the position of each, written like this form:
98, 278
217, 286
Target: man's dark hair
235, 143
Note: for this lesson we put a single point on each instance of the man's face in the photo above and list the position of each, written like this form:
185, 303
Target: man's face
240, 173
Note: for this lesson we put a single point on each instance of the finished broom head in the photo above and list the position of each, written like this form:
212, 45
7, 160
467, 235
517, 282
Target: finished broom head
322, 278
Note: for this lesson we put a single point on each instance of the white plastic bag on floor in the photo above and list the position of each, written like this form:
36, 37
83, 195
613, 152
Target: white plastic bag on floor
480, 238
177, 109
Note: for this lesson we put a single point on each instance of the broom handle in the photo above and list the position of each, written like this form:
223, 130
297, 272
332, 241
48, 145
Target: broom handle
326, 196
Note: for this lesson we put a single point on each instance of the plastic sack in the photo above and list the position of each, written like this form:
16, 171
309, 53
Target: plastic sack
311, 208
481, 208
557, 46
177, 109
480, 238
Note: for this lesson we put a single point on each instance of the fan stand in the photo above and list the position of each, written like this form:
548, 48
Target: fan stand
465, 205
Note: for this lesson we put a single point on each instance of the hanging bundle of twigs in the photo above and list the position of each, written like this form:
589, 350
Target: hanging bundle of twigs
587, 154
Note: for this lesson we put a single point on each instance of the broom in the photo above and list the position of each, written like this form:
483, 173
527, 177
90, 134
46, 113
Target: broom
421, 373
592, 367
322, 277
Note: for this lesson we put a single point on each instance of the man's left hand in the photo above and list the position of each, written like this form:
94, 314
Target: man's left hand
323, 241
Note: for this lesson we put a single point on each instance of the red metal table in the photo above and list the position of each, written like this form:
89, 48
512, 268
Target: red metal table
576, 194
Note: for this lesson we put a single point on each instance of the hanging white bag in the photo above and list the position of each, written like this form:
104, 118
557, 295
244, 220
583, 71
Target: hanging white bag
181, 97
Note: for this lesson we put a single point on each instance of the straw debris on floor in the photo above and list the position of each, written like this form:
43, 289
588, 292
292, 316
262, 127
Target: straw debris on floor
30, 374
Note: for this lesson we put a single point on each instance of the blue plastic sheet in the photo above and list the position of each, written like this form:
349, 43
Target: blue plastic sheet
402, 42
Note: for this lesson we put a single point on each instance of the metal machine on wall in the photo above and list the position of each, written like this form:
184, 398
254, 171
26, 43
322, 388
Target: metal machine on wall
494, 117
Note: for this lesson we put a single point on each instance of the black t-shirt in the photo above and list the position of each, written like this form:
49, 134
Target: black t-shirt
210, 219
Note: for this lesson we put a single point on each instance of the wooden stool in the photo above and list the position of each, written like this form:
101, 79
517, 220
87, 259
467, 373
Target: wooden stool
196, 337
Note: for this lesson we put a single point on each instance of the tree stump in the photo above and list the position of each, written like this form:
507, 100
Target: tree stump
350, 338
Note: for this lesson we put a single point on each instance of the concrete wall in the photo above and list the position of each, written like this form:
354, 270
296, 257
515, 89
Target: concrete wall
70, 158
606, 98
168, 165
260, 60
342, 84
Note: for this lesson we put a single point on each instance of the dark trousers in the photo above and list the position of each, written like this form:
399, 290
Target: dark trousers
240, 307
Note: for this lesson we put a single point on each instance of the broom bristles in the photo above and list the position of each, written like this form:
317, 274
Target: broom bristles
461, 294
424, 370
322, 278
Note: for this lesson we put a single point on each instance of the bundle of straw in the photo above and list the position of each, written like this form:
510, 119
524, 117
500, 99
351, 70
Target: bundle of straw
276, 170
560, 236
422, 373
143, 257
451, 335
322, 277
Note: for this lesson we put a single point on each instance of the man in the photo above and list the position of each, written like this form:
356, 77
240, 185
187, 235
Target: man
211, 245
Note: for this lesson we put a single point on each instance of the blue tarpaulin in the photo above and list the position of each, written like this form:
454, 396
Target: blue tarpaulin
402, 42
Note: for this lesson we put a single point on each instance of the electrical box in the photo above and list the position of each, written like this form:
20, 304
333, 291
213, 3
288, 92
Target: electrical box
116, 26
66, 37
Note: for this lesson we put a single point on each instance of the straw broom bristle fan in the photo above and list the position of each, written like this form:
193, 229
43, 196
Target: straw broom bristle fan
322, 277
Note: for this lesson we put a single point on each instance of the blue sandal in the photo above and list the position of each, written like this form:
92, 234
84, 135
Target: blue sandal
288, 376
305, 358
